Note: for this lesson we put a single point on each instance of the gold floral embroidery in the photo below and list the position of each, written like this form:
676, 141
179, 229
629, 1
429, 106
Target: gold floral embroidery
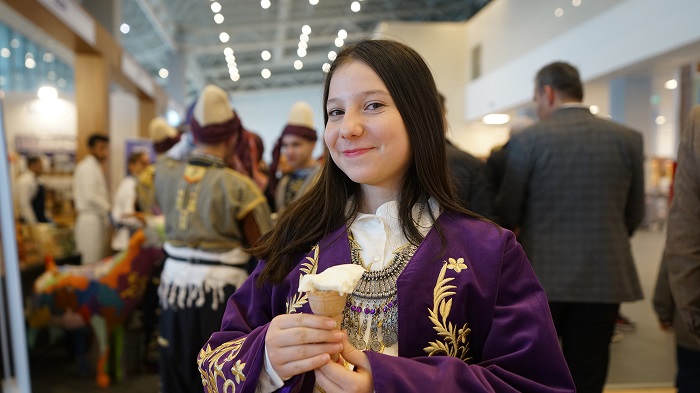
214, 369
456, 265
455, 341
308, 267
237, 371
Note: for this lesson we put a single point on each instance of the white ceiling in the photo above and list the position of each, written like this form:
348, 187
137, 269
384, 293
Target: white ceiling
162, 30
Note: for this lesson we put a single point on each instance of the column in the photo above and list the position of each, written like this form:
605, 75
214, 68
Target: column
91, 98
630, 105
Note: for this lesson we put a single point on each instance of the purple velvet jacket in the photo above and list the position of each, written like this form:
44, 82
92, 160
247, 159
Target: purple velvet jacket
481, 295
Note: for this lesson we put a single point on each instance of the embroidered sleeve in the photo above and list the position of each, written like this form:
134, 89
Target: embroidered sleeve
309, 266
452, 342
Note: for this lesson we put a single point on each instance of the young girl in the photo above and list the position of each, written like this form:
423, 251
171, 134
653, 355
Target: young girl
448, 301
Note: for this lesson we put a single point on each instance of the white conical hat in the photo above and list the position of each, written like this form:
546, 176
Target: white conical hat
212, 107
301, 114
159, 130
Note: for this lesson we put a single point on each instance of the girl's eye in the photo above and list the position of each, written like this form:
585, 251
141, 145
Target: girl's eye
335, 112
374, 105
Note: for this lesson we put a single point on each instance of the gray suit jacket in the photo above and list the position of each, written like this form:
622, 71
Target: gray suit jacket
683, 233
574, 185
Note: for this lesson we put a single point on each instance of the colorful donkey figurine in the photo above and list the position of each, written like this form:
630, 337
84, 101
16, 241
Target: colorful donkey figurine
100, 295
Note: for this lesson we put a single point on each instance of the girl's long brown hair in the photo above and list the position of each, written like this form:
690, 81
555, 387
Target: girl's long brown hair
322, 208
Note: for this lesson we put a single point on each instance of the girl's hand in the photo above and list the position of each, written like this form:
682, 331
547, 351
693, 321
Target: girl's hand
297, 343
334, 378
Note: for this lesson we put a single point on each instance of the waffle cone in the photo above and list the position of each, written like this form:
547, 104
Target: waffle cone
328, 304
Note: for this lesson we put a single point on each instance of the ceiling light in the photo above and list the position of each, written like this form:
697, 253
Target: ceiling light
558, 12
266, 55
326, 67
224, 37
228, 51
265, 4
219, 19
125, 28
230, 58
342, 34
173, 118
339, 42
306, 29
215, 7
298, 64
303, 45
14, 43
660, 120
163, 73
594, 109
313, 2
301, 52
4, 52
48, 58
304, 38
496, 118
47, 93
235, 78
265, 73
576, 3
355, 6
332, 55
232, 64
671, 84
29, 63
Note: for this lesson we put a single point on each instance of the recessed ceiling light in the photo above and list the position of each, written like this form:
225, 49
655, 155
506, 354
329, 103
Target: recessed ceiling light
496, 118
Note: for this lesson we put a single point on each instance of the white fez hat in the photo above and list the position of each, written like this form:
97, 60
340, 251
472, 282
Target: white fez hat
159, 130
302, 115
212, 107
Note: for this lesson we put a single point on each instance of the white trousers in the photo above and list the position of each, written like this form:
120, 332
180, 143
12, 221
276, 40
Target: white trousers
91, 236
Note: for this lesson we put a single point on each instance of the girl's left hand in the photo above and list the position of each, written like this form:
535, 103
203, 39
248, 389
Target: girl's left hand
335, 378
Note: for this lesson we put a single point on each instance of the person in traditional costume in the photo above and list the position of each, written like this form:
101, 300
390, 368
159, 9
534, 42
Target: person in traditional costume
164, 137
448, 301
296, 144
211, 214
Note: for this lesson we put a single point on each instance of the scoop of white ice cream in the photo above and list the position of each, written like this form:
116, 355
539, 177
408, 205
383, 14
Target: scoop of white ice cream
342, 279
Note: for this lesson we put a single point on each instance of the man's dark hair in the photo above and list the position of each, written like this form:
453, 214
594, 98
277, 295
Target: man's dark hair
563, 78
94, 138
31, 160
135, 157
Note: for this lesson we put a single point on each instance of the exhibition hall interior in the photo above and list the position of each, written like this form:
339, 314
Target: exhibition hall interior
83, 303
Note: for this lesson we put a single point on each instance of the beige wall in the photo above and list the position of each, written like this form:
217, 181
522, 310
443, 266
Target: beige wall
443, 46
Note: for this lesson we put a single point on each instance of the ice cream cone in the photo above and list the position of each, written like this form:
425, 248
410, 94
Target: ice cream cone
328, 304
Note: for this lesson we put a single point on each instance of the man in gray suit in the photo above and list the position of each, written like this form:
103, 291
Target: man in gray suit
683, 233
574, 186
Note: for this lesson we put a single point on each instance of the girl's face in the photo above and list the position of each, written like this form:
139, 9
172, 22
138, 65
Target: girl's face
365, 133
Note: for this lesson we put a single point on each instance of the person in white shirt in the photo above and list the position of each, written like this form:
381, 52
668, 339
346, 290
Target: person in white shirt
92, 201
126, 218
31, 194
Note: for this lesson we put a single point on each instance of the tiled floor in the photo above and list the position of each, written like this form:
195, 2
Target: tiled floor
643, 362
645, 357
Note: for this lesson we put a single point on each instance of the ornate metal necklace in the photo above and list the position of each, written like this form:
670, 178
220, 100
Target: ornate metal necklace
375, 297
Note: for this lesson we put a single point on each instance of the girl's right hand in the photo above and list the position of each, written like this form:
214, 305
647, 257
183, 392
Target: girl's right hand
297, 343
